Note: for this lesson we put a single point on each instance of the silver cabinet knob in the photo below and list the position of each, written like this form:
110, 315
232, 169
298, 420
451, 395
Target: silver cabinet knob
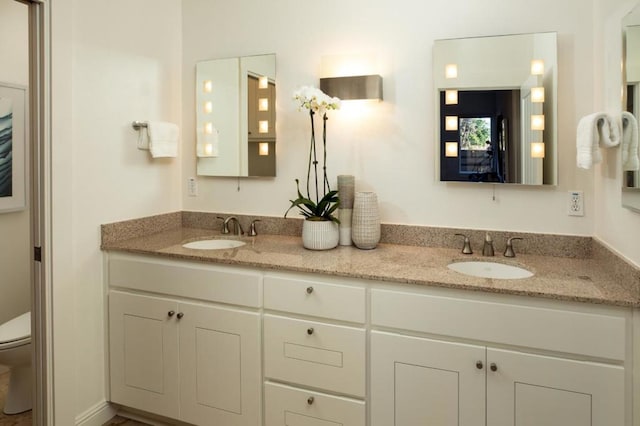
493, 366
309, 290
310, 331
479, 365
310, 400
180, 315
171, 313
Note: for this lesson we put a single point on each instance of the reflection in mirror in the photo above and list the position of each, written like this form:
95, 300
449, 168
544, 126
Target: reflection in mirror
631, 103
235, 116
496, 105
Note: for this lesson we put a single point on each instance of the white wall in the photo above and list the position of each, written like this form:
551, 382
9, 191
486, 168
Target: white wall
390, 148
114, 62
14, 227
616, 226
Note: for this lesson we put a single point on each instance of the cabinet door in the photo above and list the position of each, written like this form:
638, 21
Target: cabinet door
144, 353
531, 390
417, 381
219, 365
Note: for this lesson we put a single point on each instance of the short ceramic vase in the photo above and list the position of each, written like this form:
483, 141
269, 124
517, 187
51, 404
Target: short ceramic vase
320, 234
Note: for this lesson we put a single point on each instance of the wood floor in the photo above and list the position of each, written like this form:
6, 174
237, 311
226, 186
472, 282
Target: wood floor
24, 419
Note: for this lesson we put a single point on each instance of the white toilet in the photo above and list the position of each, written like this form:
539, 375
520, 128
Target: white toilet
15, 353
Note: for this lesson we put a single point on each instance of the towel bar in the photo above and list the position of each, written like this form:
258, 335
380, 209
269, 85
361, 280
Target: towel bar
137, 125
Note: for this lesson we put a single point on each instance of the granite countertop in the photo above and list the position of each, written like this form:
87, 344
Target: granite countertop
582, 280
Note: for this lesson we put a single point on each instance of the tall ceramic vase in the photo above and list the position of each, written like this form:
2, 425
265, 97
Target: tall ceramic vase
365, 223
320, 234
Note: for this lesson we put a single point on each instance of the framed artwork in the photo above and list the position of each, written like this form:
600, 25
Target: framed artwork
13, 146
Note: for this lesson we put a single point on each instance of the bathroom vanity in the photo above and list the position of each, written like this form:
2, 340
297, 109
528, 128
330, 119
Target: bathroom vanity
273, 334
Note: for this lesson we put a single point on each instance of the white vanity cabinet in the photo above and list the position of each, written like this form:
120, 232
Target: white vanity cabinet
314, 352
198, 362
440, 380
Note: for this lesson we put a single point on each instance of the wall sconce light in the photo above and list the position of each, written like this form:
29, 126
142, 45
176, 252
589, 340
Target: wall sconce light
207, 86
451, 71
360, 87
263, 126
263, 82
451, 149
451, 123
263, 148
537, 94
537, 122
451, 97
208, 107
263, 104
537, 67
537, 149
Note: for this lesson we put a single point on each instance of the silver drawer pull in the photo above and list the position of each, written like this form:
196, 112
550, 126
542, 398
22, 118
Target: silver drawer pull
309, 290
310, 400
310, 331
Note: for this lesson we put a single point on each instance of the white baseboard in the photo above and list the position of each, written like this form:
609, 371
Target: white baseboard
97, 415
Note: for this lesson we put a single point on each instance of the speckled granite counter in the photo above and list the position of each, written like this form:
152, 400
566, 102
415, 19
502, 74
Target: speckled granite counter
592, 280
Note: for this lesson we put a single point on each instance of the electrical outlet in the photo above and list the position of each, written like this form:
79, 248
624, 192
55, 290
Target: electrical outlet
575, 203
192, 187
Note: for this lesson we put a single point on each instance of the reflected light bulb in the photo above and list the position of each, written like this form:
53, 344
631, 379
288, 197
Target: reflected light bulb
451, 97
451, 71
537, 67
451, 122
208, 107
537, 94
208, 128
263, 104
263, 82
263, 126
208, 149
263, 148
537, 122
451, 149
208, 86
537, 149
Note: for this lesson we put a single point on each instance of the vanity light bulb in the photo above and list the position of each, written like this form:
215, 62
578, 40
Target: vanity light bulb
537, 122
263, 82
451, 71
263, 126
208, 86
208, 128
451, 149
537, 149
537, 94
208, 149
263, 104
537, 67
208, 107
263, 148
451, 97
451, 123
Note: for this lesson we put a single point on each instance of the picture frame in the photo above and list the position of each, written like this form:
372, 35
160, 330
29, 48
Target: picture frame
13, 147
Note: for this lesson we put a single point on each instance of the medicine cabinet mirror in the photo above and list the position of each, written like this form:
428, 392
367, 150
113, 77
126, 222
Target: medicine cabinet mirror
496, 109
235, 116
631, 99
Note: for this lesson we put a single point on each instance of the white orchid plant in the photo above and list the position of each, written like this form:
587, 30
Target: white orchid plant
320, 207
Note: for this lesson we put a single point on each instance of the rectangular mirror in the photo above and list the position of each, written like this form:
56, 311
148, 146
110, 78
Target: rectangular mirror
235, 116
631, 103
496, 105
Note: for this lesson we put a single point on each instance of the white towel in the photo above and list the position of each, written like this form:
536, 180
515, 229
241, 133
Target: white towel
595, 130
630, 161
163, 139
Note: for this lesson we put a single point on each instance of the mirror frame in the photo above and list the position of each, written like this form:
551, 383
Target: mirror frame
630, 196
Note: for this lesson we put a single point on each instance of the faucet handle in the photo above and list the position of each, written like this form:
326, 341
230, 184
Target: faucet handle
467, 244
508, 251
225, 225
252, 228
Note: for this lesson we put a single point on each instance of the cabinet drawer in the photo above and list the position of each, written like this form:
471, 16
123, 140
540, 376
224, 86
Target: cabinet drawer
315, 298
289, 406
596, 335
315, 354
185, 279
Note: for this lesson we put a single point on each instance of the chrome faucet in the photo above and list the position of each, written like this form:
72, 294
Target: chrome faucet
237, 229
466, 249
487, 250
508, 252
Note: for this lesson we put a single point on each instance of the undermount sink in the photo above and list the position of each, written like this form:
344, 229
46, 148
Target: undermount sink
490, 270
215, 244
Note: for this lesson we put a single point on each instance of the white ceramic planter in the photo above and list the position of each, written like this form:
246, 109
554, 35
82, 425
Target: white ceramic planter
320, 234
